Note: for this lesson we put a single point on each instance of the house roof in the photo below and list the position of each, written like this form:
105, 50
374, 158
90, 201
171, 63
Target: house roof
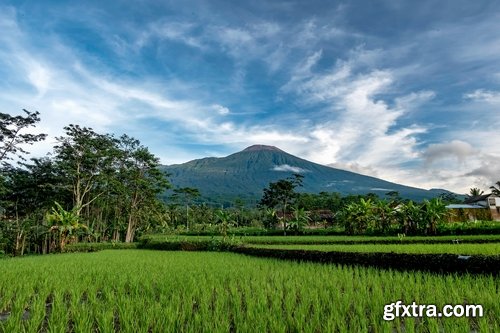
464, 206
477, 198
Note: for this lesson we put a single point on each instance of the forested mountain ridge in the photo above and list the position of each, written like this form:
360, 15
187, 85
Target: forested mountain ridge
246, 173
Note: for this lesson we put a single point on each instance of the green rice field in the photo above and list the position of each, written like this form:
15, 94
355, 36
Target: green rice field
461, 249
161, 291
337, 239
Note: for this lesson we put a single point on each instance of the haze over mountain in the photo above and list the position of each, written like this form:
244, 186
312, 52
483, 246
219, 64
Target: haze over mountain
246, 173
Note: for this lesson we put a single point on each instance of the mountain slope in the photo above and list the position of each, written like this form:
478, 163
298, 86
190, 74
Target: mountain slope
245, 174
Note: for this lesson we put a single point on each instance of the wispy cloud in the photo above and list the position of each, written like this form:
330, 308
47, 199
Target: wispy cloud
361, 131
289, 168
481, 95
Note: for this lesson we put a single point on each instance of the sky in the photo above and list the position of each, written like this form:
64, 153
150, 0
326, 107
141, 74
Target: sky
406, 91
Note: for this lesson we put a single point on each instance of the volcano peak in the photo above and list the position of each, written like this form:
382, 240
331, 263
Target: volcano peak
261, 148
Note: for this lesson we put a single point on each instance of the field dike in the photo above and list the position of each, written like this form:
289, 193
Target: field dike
438, 263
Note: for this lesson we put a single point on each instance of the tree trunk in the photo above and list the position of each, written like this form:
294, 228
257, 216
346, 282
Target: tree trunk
284, 218
129, 237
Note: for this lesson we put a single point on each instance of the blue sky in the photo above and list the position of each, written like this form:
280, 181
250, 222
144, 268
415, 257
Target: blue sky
407, 91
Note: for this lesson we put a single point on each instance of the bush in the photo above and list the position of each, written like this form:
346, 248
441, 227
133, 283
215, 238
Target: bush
470, 228
94, 247
185, 244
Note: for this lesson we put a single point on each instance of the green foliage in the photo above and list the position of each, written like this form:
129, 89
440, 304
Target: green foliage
495, 189
94, 247
12, 135
64, 223
186, 195
299, 220
435, 213
281, 194
270, 218
359, 216
224, 220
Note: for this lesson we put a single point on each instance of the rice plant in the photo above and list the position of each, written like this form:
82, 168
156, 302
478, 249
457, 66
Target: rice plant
161, 291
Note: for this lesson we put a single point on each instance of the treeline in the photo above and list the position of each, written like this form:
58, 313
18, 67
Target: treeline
94, 187
356, 214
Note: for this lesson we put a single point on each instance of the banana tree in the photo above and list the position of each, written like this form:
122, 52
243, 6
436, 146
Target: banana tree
300, 219
64, 223
435, 212
224, 219
359, 216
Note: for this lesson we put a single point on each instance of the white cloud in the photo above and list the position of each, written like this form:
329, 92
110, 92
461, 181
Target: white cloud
222, 110
481, 95
289, 168
414, 100
355, 167
168, 30
360, 132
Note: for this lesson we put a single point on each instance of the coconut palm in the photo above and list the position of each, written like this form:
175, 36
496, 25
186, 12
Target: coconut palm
495, 189
474, 192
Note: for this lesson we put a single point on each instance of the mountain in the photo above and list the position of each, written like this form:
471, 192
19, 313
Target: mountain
245, 174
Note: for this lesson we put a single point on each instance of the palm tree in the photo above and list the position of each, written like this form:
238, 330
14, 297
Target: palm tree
187, 194
495, 189
474, 192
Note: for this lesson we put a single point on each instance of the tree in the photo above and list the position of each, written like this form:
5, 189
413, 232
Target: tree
411, 218
495, 189
384, 214
359, 216
85, 158
270, 218
474, 192
435, 211
281, 194
64, 223
141, 180
299, 220
187, 194
225, 220
11, 136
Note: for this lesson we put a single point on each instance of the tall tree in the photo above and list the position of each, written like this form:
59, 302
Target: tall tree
495, 189
186, 195
12, 137
142, 180
85, 158
281, 194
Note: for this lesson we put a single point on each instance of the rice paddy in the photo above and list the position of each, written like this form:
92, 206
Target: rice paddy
161, 291
461, 249
338, 239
